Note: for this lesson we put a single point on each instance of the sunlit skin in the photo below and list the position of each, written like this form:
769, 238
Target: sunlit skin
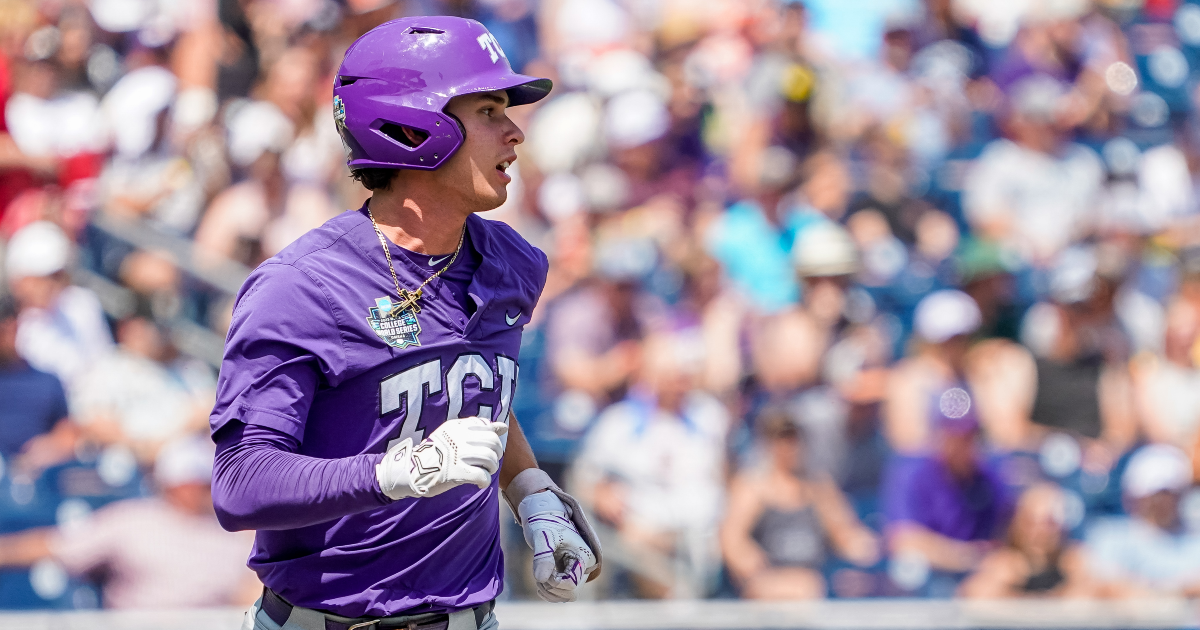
424, 211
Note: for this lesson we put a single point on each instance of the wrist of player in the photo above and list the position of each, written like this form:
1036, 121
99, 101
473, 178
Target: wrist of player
460, 451
562, 559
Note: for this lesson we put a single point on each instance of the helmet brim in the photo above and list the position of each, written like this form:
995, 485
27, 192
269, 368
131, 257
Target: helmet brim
531, 91
522, 89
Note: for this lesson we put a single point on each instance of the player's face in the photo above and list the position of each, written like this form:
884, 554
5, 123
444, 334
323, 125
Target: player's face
477, 171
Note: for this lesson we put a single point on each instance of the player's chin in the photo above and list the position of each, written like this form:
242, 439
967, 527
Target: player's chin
494, 197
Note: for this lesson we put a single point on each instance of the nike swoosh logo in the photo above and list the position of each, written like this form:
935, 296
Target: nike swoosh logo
512, 320
434, 263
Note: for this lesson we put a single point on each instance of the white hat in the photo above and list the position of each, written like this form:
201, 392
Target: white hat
38, 249
1156, 468
132, 107
564, 132
1073, 278
255, 128
635, 118
184, 461
824, 249
942, 315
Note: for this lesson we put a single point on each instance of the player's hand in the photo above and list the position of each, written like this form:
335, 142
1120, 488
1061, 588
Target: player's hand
464, 450
561, 559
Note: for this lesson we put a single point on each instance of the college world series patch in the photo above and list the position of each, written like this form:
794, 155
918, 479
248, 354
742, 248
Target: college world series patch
399, 330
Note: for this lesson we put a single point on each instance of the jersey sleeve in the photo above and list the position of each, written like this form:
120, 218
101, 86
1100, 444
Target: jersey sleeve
284, 342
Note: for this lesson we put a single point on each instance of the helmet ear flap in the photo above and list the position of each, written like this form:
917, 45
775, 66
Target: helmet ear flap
461, 128
406, 135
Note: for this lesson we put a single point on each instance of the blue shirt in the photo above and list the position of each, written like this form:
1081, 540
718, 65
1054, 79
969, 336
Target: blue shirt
31, 402
756, 255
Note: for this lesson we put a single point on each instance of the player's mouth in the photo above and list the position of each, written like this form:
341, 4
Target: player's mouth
502, 167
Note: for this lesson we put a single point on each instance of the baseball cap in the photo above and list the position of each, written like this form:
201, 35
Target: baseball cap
944, 314
635, 118
183, 461
38, 249
978, 259
132, 107
1156, 468
1073, 278
824, 249
255, 128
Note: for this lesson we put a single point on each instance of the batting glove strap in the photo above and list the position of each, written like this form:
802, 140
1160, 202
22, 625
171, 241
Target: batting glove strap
531, 481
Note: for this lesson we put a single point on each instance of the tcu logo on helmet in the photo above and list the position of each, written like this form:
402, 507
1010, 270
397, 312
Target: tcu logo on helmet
488, 42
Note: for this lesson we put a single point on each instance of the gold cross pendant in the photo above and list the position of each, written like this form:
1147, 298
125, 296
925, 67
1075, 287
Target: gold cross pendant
408, 299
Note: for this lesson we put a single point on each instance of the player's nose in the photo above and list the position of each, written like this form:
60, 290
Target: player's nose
513, 135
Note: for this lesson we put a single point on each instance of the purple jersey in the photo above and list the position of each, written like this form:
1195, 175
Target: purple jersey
315, 352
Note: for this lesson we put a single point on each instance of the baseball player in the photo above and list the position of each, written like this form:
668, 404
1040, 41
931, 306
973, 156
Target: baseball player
362, 418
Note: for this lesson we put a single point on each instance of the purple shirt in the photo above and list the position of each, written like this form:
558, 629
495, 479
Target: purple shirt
921, 490
313, 354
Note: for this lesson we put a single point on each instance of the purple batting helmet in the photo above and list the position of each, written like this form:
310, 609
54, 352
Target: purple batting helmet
401, 74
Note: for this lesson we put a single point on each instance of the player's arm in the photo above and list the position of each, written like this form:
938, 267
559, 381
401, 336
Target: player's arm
518, 455
260, 482
285, 342
565, 548
22, 549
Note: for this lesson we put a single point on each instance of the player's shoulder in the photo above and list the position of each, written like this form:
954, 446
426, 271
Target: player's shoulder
502, 241
309, 254
297, 270
319, 242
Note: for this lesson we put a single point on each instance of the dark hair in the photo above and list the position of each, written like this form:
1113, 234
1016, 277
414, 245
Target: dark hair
375, 178
775, 422
8, 308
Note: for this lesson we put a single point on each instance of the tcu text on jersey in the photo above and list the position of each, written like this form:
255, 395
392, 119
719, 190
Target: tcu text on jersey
410, 388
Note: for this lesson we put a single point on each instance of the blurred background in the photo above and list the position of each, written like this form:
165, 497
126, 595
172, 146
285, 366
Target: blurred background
847, 298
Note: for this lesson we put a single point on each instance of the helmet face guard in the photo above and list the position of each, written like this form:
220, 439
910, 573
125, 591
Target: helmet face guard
395, 82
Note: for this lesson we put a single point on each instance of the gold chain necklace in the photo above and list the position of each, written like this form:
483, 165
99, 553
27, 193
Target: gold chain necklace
408, 299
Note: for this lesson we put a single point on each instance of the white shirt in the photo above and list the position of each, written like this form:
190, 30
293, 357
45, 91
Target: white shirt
1129, 548
145, 399
67, 339
672, 467
1048, 200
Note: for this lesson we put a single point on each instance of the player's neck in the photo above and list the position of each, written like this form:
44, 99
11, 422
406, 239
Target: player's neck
418, 224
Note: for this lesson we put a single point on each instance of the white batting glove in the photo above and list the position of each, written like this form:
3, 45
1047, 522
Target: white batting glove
464, 450
561, 559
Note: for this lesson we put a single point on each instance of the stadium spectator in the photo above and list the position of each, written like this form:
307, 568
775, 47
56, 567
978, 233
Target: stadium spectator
62, 329
949, 507
1168, 385
1034, 190
652, 465
1037, 558
594, 331
33, 419
1040, 157
781, 521
942, 325
157, 553
135, 396
1151, 552
1082, 350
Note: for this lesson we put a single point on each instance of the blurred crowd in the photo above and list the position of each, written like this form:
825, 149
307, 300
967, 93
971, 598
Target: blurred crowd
846, 299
